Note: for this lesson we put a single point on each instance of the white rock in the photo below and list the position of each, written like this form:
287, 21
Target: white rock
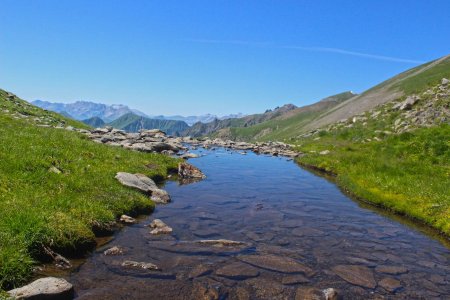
45, 288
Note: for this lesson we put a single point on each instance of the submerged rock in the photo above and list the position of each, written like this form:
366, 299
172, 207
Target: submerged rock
221, 243
390, 284
159, 227
394, 270
186, 170
45, 288
237, 271
113, 251
276, 263
140, 265
356, 274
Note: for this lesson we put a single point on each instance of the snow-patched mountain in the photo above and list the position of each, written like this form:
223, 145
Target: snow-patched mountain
82, 110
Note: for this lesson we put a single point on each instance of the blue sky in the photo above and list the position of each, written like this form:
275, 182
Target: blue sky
195, 57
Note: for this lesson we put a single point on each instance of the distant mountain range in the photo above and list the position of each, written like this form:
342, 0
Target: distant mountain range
133, 123
85, 110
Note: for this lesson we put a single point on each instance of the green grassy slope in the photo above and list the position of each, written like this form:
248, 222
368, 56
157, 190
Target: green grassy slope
56, 187
288, 126
393, 158
94, 122
133, 123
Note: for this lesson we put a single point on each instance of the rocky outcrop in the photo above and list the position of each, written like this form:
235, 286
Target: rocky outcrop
50, 288
144, 184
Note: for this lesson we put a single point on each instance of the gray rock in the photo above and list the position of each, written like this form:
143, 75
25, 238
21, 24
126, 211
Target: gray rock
45, 288
138, 181
160, 196
394, 270
221, 243
390, 284
445, 81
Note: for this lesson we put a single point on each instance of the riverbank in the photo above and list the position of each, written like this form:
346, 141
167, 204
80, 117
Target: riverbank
57, 190
407, 173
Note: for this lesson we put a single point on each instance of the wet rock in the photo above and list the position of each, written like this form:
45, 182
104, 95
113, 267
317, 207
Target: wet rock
159, 227
205, 291
308, 293
160, 196
330, 294
45, 288
294, 279
127, 219
276, 263
394, 270
390, 284
237, 271
186, 170
113, 251
140, 265
357, 275
199, 271
221, 243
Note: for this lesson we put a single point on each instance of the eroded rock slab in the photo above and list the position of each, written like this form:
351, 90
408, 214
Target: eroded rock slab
137, 181
276, 263
357, 275
45, 288
140, 265
394, 270
221, 243
390, 284
237, 271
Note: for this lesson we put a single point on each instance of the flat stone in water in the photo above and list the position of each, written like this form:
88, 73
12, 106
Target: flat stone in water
357, 275
237, 271
200, 270
276, 263
394, 270
294, 279
390, 284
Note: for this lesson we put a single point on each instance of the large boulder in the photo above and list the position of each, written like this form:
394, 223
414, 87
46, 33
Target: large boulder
145, 184
49, 288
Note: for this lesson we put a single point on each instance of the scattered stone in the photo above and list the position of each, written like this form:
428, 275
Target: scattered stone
127, 219
160, 196
308, 293
45, 288
55, 170
324, 152
356, 274
390, 284
221, 243
276, 263
140, 265
159, 227
189, 155
445, 81
394, 270
113, 251
237, 271
186, 170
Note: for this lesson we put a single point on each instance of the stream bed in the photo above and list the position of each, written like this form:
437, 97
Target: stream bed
300, 233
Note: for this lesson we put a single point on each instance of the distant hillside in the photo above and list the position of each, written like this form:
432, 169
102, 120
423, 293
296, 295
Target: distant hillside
200, 129
133, 123
408, 82
94, 122
287, 125
190, 120
82, 110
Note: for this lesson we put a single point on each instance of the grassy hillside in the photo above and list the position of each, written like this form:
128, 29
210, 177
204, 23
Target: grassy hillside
398, 159
57, 187
133, 123
284, 126
94, 122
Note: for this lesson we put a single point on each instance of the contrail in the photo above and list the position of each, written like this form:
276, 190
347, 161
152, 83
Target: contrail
313, 49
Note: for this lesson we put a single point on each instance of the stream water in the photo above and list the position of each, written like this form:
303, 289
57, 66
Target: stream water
301, 235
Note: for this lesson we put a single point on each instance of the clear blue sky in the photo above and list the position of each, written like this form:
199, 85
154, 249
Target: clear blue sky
195, 57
